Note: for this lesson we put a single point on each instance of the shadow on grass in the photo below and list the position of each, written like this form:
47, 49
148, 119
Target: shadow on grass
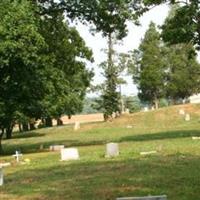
36, 147
161, 136
175, 176
27, 135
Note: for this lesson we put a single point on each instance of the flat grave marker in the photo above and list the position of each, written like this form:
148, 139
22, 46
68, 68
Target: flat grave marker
162, 197
181, 112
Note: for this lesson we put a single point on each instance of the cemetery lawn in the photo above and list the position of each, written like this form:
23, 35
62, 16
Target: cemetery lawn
174, 170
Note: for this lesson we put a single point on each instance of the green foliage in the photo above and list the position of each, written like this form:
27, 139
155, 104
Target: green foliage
22, 61
70, 55
147, 67
183, 27
104, 16
132, 103
182, 72
90, 105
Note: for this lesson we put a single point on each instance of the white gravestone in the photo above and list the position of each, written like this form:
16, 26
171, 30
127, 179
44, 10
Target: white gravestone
187, 117
127, 111
112, 150
1, 176
181, 112
163, 197
195, 138
1, 171
17, 155
77, 126
147, 152
146, 109
69, 154
56, 147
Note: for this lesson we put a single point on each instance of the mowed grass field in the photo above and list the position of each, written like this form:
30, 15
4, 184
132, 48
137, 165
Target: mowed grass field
174, 170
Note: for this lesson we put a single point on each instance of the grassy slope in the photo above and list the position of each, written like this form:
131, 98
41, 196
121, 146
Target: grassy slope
174, 170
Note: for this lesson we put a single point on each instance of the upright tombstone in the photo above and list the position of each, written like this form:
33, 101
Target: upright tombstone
1, 176
112, 150
187, 117
181, 112
77, 126
69, 154
146, 109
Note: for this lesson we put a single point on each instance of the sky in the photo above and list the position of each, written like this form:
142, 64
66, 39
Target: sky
136, 33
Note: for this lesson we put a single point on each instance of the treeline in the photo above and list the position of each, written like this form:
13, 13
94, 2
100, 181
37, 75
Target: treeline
164, 70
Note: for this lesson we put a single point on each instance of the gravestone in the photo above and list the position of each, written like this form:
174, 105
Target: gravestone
77, 126
127, 111
181, 112
163, 197
146, 109
17, 155
1, 171
187, 117
195, 138
56, 147
148, 152
69, 154
1, 176
112, 150
129, 126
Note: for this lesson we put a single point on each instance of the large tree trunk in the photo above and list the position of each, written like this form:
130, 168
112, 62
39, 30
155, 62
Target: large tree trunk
156, 103
25, 127
1, 137
20, 127
32, 124
9, 130
59, 122
49, 122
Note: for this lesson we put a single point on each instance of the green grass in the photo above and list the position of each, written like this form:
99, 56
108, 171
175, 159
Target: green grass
174, 170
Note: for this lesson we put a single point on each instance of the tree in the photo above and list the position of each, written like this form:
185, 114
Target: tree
106, 16
133, 103
147, 67
184, 26
23, 65
182, 68
70, 55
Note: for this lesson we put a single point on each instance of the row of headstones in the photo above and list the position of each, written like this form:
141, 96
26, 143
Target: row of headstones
186, 115
112, 150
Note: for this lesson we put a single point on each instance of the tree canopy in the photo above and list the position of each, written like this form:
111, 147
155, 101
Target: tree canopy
147, 67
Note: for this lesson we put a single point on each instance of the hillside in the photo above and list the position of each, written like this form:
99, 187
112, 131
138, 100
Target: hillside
173, 170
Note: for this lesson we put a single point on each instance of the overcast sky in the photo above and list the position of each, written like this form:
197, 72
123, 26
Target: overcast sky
132, 41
